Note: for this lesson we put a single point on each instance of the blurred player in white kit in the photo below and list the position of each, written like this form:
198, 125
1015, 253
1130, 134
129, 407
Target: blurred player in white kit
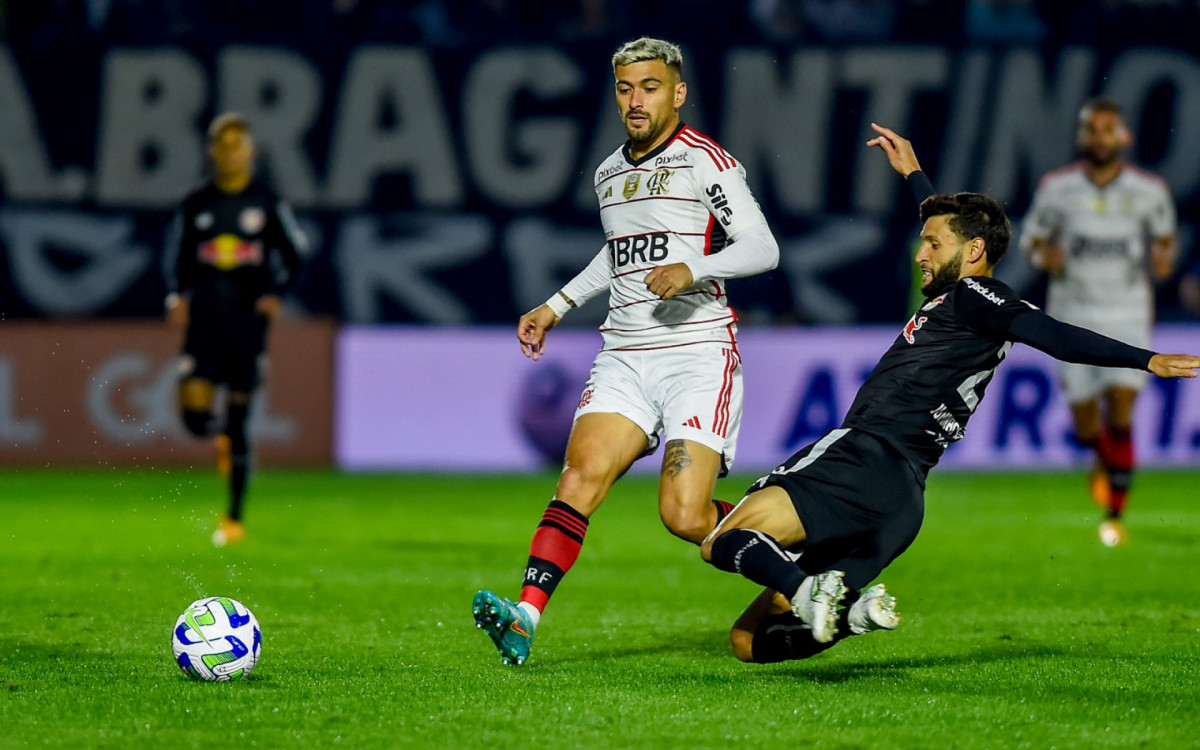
1104, 230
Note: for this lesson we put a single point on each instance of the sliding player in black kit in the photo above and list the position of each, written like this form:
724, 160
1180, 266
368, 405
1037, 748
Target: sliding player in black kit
238, 253
826, 522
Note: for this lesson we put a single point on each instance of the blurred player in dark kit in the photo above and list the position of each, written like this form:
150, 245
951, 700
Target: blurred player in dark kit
238, 251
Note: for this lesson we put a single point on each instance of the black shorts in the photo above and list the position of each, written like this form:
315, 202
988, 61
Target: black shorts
228, 353
859, 500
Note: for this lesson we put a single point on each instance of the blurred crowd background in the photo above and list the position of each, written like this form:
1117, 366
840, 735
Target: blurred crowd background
459, 23
440, 157
408, 119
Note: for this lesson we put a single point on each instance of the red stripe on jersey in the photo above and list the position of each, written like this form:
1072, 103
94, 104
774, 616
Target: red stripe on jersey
698, 140
667, 325
663, 346
650, 198
658, 299
665, 231
647, 269
708, 233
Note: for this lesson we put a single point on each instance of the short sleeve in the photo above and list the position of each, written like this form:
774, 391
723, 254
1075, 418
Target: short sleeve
1160, 221
988, 306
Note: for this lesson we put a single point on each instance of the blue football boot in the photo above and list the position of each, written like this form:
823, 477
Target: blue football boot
508, 625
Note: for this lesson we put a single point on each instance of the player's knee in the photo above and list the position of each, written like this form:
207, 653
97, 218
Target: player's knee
742, 643
724, 552
196, 394
692, 524
199, 423
582, 487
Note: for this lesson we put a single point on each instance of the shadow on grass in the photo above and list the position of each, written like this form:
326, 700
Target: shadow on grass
823, 668
813, 671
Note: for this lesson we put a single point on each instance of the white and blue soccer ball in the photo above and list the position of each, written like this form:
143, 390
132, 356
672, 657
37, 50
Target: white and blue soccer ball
216, 639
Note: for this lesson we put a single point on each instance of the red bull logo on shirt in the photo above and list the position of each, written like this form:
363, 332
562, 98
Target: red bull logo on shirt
228, 251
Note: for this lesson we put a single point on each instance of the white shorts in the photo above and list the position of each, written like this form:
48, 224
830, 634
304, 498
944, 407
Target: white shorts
688, 393
1082, 383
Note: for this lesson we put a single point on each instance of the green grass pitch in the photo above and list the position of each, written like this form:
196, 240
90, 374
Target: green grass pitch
1020, 629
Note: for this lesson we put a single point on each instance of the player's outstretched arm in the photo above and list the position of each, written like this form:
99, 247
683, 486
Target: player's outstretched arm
899, 150
532, 328
1174, 365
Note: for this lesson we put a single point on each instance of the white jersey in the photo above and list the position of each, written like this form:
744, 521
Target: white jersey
1105, 233
684, 202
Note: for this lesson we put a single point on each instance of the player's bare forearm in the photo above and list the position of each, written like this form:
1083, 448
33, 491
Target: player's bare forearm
268, 306
532, 328
1162, 258
1048, 257
177, 310
667, 281
1174, 365
899, 150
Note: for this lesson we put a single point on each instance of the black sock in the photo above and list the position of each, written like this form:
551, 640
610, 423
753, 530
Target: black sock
785, 637
239, 449
758, 557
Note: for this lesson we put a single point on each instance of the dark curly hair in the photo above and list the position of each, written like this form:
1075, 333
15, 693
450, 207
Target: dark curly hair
973, 215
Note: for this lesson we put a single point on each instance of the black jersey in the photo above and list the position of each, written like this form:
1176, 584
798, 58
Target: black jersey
925, 388
233, 249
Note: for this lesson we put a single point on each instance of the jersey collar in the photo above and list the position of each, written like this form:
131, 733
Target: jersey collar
651, 154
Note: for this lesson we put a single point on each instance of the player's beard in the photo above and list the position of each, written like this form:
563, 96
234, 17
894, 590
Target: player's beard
1100, 158
944, 277
653, 129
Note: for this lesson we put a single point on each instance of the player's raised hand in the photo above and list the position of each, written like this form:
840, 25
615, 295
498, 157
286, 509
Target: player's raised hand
899, 150
531, 330
268, 306
1174, 365
177, 310
669, 280
1049, 257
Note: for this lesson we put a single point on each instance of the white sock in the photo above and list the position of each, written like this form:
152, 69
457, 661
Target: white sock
532, 611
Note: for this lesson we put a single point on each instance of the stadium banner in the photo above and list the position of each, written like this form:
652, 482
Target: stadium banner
104, 394
465, 399
454, 186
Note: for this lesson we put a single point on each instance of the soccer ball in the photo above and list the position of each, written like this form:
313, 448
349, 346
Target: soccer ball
216, 639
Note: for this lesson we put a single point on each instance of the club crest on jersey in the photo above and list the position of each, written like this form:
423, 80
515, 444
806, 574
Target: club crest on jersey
914, 325
204, 220
631, 185
933, 303
658, 182
252, 220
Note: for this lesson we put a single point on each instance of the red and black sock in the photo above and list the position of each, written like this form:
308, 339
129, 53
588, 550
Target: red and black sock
723, 509
1116, 453
554, 549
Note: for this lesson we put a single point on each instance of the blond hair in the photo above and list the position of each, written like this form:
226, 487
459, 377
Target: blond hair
227, 121
648, 48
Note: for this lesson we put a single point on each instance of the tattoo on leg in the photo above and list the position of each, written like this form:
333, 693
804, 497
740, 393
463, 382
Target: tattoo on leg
676, 459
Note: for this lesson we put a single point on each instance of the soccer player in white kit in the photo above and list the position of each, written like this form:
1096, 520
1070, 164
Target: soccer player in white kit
1105, 232
678, 219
